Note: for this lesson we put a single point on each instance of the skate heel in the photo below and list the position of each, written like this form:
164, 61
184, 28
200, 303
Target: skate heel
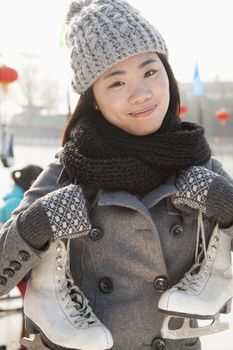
30, 326
226, 308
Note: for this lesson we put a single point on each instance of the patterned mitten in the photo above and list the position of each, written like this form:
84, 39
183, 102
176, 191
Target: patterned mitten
193, 186
66, 212
60, 214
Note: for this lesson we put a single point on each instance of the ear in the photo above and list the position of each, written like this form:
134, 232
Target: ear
95, 106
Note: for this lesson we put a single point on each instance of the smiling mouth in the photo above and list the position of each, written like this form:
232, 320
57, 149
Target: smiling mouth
144, 112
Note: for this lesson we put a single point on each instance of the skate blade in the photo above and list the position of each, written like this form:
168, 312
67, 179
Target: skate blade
33, 343
37, 340
185, 331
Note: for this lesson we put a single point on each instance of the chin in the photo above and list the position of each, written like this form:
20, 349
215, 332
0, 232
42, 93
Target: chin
143, 133
149, 131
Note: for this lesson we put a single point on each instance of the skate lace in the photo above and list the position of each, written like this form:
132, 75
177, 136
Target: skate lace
199, 271
75, 301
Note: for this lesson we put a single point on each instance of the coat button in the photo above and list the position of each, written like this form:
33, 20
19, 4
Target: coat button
23, 255
8, 273
158, 344
3, 281
96, 234
161, 284
15, 265
177, 231
105, 285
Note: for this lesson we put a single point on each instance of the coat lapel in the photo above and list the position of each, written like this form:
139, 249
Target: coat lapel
142, 205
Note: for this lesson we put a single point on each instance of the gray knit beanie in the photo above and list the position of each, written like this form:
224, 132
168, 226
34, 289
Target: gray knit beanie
102, 33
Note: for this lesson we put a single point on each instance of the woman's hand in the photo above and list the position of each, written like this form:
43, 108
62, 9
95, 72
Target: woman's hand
59, 214
193, 187
67, 213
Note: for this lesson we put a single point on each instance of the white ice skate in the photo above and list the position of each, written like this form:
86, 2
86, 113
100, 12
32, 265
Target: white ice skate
204, 292
58, 310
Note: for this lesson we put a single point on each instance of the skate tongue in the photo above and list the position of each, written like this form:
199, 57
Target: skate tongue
78, 301
75, 294
191, 278
83, 308
188, 278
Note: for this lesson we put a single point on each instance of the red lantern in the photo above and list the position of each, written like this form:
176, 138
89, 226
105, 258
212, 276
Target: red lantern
222, 115
7, 76
183, 110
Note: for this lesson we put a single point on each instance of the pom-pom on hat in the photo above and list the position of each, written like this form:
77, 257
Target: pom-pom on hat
102, 33
24, 177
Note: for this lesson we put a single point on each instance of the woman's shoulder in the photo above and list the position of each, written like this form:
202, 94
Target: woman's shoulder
53, 169
214, 164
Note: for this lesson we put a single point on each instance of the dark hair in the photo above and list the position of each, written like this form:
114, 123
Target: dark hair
174, 103
24, 177
85, 104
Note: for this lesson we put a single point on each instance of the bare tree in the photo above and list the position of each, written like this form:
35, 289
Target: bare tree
39, 90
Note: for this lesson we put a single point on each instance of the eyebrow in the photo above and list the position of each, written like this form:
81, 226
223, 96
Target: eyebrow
145, 63
141, 65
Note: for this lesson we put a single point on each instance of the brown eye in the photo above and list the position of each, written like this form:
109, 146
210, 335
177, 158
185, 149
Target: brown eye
117, 84
150, 73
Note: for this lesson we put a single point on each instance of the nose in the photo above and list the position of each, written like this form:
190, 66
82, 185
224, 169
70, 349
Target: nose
139, 95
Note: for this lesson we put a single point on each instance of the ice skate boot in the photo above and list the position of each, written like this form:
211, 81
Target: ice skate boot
204, 292
58, 310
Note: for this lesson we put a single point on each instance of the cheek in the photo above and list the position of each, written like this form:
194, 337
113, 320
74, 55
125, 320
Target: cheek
105, 105
109, 110
165, 90
110, 104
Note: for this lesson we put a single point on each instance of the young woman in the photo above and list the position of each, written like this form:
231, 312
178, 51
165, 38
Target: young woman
128, 157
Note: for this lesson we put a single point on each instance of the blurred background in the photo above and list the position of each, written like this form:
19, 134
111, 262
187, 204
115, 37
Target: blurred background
36, 98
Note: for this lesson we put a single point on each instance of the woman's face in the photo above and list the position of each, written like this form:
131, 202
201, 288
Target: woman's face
134, 94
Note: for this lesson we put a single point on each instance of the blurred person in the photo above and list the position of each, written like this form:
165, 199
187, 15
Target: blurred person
121, 210
22, 180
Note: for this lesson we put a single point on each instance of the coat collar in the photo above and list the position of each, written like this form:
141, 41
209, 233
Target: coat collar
122, 198
160, 192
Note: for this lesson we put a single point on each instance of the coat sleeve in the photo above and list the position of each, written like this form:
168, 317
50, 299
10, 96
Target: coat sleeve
16, 256
217, 167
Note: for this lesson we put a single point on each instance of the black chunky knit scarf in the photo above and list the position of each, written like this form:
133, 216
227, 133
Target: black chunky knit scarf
101, 155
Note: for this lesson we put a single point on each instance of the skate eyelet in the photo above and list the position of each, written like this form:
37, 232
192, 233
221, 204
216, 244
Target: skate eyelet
59, 267
59, 248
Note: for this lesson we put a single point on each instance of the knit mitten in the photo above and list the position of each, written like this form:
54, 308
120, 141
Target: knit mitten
59, 214
193, 186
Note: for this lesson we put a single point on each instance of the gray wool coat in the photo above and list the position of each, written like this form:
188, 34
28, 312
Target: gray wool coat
137, 249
